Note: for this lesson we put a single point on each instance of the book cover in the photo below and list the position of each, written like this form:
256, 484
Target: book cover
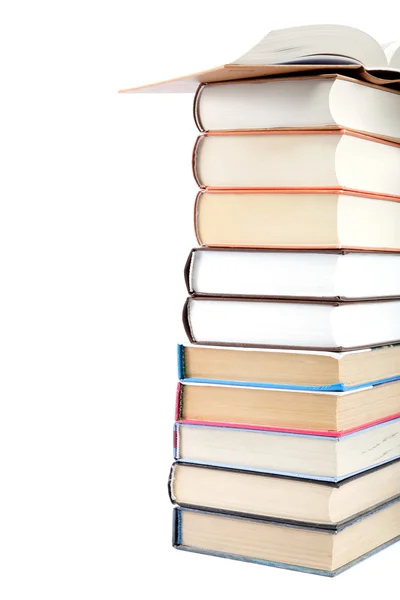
177, 539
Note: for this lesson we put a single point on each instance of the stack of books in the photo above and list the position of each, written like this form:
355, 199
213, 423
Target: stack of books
288, 406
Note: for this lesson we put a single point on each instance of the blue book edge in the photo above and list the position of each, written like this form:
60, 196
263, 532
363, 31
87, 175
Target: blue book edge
334, 387
181, 375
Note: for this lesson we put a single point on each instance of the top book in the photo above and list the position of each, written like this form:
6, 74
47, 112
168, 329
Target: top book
301, 49
324, 44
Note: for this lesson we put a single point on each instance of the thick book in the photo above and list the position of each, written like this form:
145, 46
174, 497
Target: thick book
297, 219
305, 49
299, 103
334, 275
306, 159
295, 411
302, 455
323, 325
288, 369
278, 497
317, 550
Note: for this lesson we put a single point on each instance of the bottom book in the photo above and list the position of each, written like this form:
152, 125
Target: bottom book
313, 549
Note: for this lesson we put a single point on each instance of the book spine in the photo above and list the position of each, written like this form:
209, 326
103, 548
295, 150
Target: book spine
196, 107
175, 442
186, 321
187, 270
170, 483
196, 217
179, 402
176, 527
181, 362
194, 159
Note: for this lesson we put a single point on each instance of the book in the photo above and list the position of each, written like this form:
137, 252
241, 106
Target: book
320, 43
314, 456
278, 497
298, 411
299, 102
306, 159
335, 275
287, 323
301, 548
296, 50
288, 369
297, 219
316, 43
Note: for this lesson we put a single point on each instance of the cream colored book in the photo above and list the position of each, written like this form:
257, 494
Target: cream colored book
311, 549
282, 497
311, 456
297, 219
306, 411
297, 159
290, 369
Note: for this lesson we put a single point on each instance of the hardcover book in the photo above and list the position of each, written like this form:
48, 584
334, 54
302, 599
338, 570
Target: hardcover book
288, 369
334, 275
291, 323
297, 219
317, 456
310, 549
324, 101
277, 497
297, 411
306, 159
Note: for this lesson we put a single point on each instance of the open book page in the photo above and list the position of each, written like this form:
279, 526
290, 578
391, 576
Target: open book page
392, 52
295, 51
289, 45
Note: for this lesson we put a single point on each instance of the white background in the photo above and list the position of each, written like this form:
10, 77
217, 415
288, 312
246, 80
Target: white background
95, 226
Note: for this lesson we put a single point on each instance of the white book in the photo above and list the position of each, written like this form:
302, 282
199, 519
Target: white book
292, 324
308, 102
314, 456
329, 275
297, 159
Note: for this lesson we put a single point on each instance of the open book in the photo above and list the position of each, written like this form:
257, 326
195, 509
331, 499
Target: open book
301, 49
321, 44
